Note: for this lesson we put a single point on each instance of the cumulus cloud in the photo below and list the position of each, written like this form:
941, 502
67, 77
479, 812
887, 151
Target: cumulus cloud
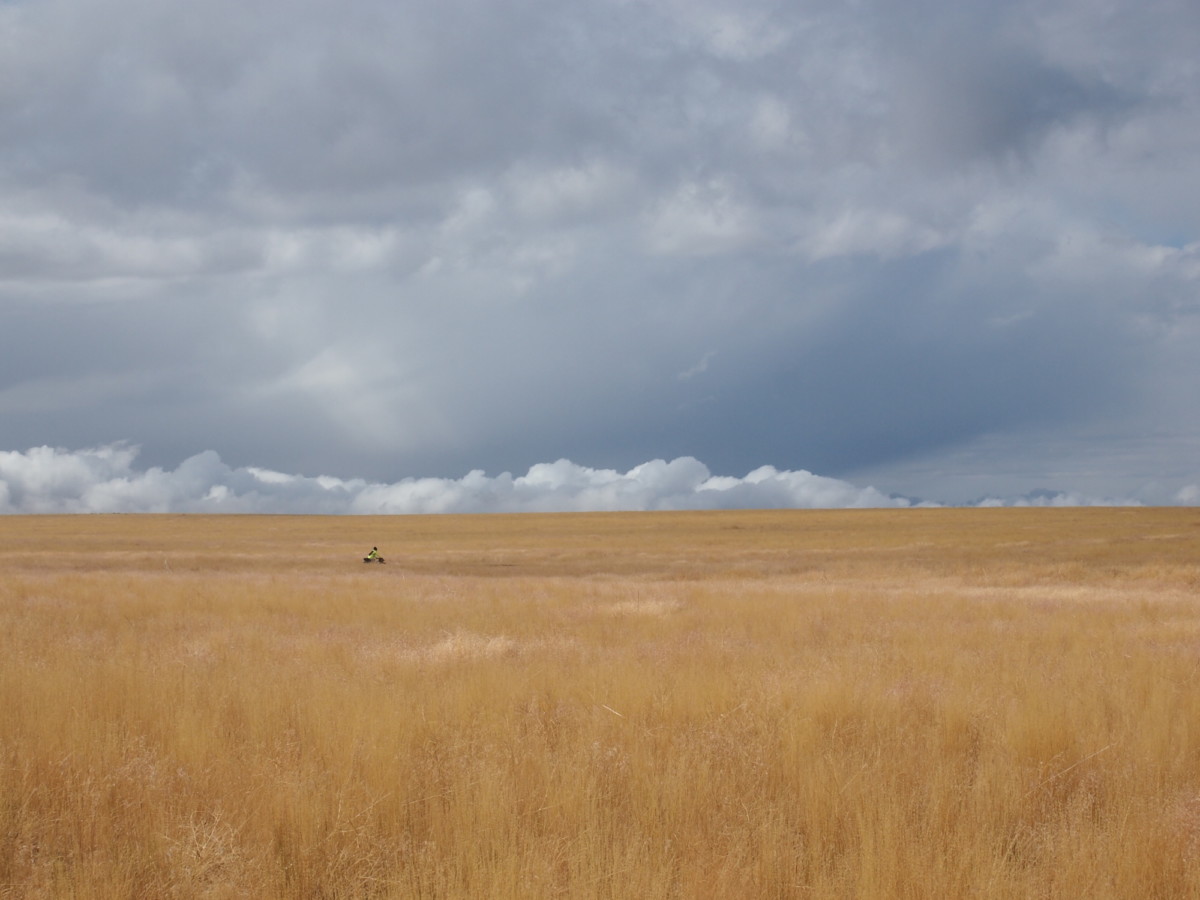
107, 480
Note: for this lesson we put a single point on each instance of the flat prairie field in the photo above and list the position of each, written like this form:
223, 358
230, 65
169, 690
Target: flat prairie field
923, 703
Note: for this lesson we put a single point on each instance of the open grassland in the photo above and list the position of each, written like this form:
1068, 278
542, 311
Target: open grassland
900, 704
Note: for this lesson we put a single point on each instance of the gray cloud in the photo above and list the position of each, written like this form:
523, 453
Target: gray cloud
393, 239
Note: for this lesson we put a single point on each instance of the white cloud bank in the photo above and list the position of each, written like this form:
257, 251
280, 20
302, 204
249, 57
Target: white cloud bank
105, 480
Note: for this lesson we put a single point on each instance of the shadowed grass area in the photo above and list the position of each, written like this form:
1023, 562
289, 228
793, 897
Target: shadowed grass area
919, 703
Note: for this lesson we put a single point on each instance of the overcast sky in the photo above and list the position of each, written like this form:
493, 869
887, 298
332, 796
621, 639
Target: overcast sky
513, 253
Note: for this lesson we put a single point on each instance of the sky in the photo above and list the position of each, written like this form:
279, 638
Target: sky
468, 255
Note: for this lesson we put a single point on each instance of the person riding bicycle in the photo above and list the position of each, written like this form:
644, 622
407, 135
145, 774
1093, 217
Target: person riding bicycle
372, 556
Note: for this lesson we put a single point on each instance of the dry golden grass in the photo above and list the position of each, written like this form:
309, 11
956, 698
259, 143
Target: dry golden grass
901, 704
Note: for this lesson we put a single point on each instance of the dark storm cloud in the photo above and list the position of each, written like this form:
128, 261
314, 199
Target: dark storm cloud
960, 106
376, 239
978, 82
